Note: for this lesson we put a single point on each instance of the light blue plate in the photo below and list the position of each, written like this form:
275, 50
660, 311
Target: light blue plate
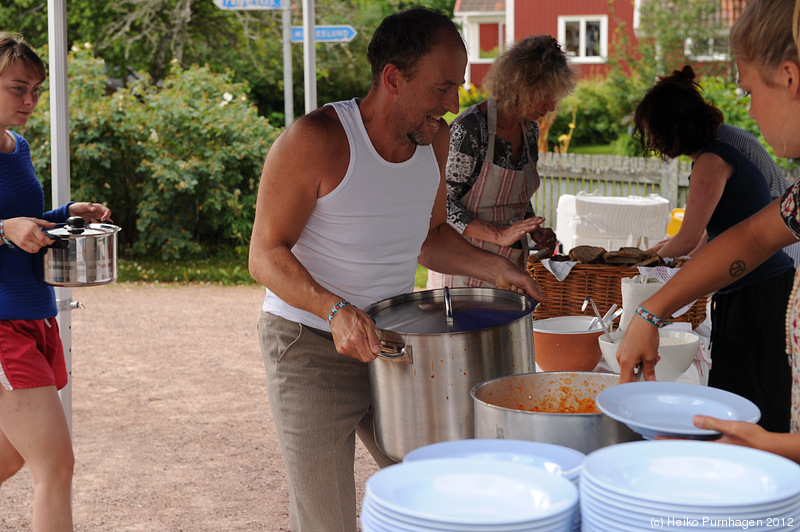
555, 459
666, 408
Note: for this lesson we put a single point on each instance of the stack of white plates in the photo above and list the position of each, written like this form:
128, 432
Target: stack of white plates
556, 459
688, 485
467, 495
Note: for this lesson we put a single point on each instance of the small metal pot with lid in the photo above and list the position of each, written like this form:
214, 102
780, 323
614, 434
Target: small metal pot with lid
437, 345
82, 254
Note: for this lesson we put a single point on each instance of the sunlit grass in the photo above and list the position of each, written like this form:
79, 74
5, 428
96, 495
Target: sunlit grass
226, 270
421, 279
594, 149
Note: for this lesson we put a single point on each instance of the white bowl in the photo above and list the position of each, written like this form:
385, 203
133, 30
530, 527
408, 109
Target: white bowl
677, 350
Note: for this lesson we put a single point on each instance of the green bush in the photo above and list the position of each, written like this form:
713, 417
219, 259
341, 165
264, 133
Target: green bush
605, 111
178, 163
595, 122
735, 107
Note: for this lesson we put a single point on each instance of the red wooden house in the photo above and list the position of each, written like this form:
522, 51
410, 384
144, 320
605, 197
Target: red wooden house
583, 27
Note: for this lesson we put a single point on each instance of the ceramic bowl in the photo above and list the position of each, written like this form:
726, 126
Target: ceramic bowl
677, 350
565, 343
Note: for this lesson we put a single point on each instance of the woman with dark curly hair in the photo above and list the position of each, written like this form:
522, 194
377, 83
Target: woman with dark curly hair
491, 169
725, 187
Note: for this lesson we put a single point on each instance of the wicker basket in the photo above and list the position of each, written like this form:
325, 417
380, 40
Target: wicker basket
602, 282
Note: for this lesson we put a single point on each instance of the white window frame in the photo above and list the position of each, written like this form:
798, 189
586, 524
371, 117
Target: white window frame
690, 52
583, 19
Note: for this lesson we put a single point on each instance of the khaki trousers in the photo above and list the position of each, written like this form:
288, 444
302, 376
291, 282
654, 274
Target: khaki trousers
319, 400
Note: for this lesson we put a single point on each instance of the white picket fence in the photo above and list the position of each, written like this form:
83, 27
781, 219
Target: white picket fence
608, 175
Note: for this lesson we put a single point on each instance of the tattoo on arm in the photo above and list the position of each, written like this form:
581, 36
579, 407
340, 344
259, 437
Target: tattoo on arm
737, 268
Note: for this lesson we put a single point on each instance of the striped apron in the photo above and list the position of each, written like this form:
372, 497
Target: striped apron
499, 195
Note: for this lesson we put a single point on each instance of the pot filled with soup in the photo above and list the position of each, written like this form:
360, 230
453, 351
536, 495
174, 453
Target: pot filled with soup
552, 407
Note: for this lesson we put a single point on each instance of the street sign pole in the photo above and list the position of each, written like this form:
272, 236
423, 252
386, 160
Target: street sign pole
329, 33
288, 81
286, 7
309, 56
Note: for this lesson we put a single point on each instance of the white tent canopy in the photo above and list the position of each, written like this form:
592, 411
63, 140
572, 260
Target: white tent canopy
59, 138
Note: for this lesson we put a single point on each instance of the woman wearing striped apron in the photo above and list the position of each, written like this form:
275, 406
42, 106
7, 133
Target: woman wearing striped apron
491, 169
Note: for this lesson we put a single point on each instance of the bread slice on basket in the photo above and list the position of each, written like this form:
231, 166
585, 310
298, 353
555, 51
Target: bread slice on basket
587, 254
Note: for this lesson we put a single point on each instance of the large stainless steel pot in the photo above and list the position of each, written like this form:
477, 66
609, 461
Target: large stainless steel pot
433, 357
543, 407
82, 254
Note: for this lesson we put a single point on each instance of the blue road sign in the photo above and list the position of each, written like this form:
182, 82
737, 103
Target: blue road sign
248, 4
326, 33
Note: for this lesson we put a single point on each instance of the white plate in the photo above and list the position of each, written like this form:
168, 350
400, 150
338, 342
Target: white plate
666, 408
693, 474
628, 507
398, 522
556, 459
479, 492
678, 520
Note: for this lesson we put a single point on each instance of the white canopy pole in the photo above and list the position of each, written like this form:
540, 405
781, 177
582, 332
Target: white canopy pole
309, 55
59, 142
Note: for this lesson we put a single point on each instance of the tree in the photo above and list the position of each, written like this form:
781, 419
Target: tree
178, 163
134, 36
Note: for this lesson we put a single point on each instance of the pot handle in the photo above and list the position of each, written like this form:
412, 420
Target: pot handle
394, 351
59, 241
448, 306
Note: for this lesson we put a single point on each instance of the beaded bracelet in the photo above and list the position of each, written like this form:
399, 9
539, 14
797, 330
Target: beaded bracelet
6, 241
650, 317
336, 308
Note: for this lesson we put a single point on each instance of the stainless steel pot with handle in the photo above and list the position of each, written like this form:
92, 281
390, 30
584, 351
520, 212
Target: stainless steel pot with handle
555, 407
432, 357
82, 254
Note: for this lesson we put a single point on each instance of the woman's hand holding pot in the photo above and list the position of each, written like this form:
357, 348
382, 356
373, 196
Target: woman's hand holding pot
27, 233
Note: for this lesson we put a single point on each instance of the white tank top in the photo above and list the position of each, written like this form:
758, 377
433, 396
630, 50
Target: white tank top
363, 238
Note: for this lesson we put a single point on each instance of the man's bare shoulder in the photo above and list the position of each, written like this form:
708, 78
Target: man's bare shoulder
314, 150
318, 130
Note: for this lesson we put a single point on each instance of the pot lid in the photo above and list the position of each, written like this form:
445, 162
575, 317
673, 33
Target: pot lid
473, 309
76, 227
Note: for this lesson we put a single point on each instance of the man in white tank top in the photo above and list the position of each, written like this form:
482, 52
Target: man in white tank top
351, 197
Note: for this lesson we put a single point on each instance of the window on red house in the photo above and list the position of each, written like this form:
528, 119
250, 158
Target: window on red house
584, 38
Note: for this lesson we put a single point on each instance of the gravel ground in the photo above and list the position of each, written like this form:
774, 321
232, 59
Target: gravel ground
171, 425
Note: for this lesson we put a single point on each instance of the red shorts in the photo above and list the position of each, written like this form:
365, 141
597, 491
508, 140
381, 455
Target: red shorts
31, 354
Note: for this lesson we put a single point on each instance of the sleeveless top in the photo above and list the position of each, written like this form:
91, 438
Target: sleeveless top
362, 239
745, 193
23, 294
